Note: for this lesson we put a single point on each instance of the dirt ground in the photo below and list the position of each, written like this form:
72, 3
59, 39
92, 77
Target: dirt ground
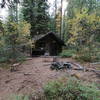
33, 74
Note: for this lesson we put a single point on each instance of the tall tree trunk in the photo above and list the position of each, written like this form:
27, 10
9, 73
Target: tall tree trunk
16, 12
63, 27
61, 19
55, 13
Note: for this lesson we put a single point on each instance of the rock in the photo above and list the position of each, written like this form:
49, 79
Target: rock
28, 74
76, 75
17, 64
67, 65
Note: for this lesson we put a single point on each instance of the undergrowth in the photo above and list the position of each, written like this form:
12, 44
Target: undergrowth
64, 89
67, 53
83, 55
71, 90
17, 97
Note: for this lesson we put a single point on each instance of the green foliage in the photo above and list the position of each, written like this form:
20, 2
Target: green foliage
18, 97
86, 57
78, 5
83, 57
1, 28
21, 57
3, 59
88, 54
83, 22
16, 35
71, 90
51, 25
35, 13
67, 53
52, 90
82, 28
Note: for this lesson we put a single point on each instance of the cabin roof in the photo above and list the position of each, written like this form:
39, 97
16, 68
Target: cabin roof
50, 35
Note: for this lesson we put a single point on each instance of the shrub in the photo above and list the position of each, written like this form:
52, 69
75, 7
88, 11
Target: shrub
17, 97
7, 55
71, 90
83, 57
3, 59
87, 57
87, 54
67, 53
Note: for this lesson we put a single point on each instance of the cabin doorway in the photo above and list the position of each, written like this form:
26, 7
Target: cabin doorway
53, 49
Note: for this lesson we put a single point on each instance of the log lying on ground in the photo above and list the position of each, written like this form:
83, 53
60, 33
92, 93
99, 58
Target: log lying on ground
97, 72
57, 66
78, 67
17, 64
60, 65
86, 69
14, 67
93, 70
65, 65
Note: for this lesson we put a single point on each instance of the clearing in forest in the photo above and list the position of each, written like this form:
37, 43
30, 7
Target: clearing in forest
33, 74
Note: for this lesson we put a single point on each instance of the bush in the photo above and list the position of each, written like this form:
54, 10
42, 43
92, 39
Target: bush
87, 56
3, 59
7, 55
67, 53
16, 97
71, 90
83, 57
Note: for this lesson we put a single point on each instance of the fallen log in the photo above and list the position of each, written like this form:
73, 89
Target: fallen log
14, 67
79, 67
28, 74
60, 65
87, 69
96, 71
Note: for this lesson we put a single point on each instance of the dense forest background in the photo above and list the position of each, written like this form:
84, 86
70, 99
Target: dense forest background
78, 25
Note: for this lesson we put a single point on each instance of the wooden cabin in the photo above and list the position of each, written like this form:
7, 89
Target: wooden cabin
49, 44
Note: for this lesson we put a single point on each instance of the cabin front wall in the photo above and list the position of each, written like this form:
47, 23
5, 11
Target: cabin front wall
49, 46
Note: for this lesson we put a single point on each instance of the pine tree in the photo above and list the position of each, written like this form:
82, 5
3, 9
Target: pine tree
35, 13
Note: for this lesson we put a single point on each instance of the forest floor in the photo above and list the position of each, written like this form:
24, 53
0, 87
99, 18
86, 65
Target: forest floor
33, 74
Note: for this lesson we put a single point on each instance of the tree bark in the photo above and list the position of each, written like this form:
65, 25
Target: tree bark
55, 13
61, 19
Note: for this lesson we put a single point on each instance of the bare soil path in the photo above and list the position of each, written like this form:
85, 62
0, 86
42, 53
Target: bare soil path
32, 75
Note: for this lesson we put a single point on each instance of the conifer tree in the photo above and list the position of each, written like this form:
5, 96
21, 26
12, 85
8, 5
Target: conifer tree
35, 13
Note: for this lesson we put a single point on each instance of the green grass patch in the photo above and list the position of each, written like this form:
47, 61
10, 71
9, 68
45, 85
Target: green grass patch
67, 53
73, 89
3, 59
17, 97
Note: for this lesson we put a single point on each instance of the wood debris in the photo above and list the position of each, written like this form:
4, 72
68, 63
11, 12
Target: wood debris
14, 67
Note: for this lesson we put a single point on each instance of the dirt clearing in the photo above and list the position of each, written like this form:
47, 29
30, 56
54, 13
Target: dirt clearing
33, 74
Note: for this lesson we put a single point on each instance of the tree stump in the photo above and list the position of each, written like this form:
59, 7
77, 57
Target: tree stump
55, 59
14, 67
